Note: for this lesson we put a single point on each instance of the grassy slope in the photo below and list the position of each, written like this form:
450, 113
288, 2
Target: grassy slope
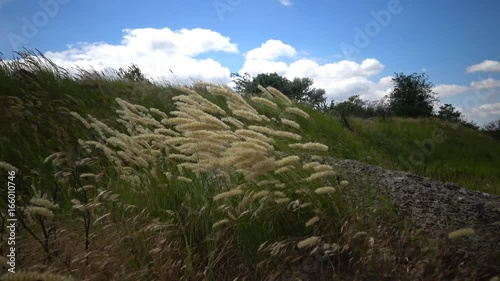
35, 123
451, 153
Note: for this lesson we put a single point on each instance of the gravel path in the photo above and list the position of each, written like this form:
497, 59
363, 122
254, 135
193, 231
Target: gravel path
436, 207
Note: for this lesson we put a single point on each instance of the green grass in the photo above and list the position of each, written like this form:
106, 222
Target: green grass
163, 226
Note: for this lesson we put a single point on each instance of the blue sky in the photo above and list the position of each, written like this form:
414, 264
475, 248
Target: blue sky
347, 47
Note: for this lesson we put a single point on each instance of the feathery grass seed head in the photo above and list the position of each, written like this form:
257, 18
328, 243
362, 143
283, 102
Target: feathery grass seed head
461, 232
288, 135
8, 167
184, 179
322, 168
38, 211
290, 123
260, 194
324, 190
315, 146
284, 169
220, 222
41, 202
251, 134
297, 111
279, 194
267, 182
312, 221
275, 92
247, 115
227, 194
308, 242
290, 160
233, 121
310, 165
320, 175
295, 145
282, 200
264, 101
264, 91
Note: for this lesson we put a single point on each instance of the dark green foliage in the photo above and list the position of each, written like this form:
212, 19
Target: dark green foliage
354, 105
493, 128
469, 124
449, 113
378, 108
133, 74
412, 96
299, 89
241, 82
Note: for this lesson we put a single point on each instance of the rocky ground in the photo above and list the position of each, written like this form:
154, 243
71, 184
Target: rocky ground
436, 208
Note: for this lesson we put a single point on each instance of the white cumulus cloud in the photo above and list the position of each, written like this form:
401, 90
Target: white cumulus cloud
484, 113
485, 66
271, 50
446, 90
489, 83
156, 52
490, 108
339, 79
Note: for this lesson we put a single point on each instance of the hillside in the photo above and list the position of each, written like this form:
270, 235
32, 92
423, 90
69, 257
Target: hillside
138, 158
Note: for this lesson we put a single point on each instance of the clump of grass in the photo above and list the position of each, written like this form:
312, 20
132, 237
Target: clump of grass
200, 138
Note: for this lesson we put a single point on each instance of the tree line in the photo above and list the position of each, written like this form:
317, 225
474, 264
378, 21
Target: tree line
412, 96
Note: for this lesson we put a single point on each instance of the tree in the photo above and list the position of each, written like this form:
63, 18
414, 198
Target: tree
468, 123
377, 108
354, 105
449, 113
249, 86
133, 74
412, 96
299, 89
493, 128
241, 81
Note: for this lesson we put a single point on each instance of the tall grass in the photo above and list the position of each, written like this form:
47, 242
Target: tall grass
131, 181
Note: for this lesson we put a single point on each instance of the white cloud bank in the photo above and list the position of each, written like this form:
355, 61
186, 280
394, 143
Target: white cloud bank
485, 66
340, 79
485, 112
489, 83
446, 90
156, 52
490, 108
159, 51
